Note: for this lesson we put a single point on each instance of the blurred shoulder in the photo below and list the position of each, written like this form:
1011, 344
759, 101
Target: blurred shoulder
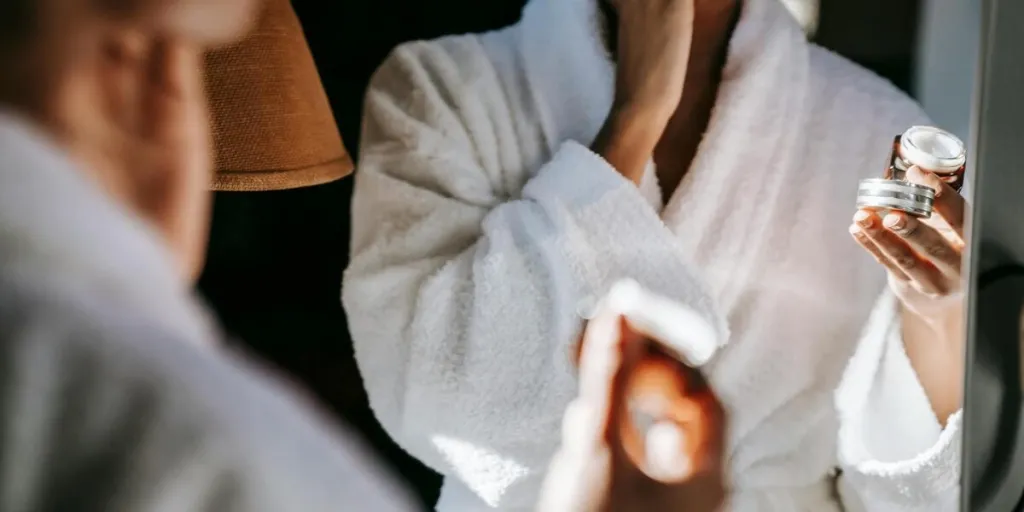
167, 412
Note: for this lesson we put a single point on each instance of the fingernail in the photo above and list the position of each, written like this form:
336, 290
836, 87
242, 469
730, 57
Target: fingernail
894, 222
862, 218
666, 452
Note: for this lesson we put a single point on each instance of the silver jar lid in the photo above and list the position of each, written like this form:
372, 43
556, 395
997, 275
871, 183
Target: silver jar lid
883, 194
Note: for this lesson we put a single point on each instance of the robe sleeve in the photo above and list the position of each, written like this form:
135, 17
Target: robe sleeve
464, 288
894, 454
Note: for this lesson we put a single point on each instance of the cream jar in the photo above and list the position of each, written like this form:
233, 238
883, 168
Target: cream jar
929, 148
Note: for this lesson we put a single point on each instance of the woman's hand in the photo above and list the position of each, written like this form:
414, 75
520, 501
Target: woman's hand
923, 259
149, 142
923, 256
606, 461
652, 53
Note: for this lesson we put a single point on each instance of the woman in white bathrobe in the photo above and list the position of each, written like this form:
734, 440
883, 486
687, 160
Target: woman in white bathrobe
505, 183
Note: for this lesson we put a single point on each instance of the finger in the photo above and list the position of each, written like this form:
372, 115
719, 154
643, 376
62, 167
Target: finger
925, 276
609, 350
578, 475
864, 220
122, 63
708, 448
173, 96
926, 241
667, 453
948, 202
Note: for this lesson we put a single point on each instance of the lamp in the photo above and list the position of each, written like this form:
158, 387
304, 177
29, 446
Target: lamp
272, 123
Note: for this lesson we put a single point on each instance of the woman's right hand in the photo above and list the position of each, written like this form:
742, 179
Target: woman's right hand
606, 461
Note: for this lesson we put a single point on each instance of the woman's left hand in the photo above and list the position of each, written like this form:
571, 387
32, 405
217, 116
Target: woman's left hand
922, 256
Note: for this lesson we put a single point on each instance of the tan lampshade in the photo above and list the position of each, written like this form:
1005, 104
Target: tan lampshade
272, 123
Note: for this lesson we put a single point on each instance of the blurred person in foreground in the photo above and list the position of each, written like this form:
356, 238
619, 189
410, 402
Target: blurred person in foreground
703, 148
645, 432
114, 395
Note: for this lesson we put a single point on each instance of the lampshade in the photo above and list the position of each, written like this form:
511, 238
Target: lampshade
272, 123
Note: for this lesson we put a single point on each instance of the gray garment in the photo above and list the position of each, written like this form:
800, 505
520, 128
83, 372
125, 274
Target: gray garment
112, 395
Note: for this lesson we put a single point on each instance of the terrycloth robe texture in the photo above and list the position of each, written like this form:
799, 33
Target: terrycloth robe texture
483, 226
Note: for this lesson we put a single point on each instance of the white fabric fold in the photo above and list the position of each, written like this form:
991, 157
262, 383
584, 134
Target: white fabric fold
894, 452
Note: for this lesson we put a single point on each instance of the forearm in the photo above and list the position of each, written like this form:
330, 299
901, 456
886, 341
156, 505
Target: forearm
935, 348
628, 138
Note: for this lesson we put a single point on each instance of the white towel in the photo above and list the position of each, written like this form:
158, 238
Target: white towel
483, 225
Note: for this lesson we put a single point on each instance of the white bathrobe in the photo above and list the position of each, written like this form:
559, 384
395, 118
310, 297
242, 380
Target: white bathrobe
483, 226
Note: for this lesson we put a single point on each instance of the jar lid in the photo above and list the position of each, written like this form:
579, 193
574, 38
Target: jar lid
932, 149
886, 194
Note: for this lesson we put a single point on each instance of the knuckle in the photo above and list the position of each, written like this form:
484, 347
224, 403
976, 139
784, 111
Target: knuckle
937, 251
905, 260
912, 229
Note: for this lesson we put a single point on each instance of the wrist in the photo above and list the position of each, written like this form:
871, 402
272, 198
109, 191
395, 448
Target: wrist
628, 138
650, 117
942, 324
934, 346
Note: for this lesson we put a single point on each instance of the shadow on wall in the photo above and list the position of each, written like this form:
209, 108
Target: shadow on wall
276, 258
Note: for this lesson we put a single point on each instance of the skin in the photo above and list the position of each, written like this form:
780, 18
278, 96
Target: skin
923, 260
118, 84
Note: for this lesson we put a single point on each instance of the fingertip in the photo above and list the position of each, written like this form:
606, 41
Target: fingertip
920, 176
624, 295
895, 221
864, 218
666, 453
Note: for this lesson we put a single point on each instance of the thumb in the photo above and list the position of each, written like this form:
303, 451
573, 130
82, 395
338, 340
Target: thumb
579, 476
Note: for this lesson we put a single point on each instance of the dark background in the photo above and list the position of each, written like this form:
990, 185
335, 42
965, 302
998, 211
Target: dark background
276, 258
